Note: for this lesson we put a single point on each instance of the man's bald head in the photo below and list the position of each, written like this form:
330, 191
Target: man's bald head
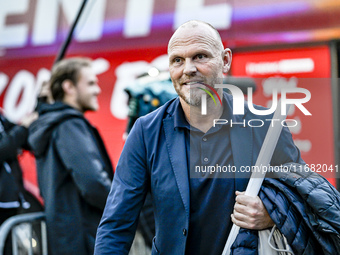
193, 24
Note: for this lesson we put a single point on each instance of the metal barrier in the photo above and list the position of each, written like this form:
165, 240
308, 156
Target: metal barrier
21, 229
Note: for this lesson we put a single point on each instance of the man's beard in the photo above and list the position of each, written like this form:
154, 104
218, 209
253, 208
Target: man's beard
86, 105
193, 99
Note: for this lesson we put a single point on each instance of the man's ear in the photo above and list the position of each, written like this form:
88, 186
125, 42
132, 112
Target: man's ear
68, 87
227, 56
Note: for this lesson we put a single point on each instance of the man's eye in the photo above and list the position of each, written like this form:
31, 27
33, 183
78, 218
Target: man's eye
200, 56
176, 60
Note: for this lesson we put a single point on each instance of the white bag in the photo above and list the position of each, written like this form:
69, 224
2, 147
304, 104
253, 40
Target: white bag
273, 242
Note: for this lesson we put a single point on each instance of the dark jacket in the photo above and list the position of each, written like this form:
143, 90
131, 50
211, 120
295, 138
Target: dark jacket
12, 139
74, 176
305, 208
154, 158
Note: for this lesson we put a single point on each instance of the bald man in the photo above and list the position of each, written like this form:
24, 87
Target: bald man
166, 151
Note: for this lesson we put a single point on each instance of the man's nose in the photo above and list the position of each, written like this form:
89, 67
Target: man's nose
189, 67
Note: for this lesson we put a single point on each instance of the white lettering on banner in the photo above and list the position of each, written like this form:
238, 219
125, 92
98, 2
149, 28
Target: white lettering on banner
302, 65
138, 17
284, 66
13, 35
3, 82
303, 145
21, 93
46, 20
188, 10
20, 96
21, 85
100, 65
278, 83
91, 23
42, 76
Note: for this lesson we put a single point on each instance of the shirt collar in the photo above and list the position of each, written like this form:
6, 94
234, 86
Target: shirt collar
181, 122
179, 118
226, 113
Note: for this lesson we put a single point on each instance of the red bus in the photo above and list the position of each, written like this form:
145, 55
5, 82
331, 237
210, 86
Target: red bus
293, 43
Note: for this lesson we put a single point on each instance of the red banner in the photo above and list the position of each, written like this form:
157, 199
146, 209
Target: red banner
307, 68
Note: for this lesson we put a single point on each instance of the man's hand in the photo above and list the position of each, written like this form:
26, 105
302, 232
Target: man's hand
250, 213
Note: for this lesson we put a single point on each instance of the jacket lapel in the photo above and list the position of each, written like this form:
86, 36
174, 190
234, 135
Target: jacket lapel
175, 141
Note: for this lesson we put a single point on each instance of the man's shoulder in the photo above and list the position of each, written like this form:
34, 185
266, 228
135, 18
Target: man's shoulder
57, 112
53, 121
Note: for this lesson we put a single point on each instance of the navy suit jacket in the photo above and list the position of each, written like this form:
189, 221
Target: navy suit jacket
154, 158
